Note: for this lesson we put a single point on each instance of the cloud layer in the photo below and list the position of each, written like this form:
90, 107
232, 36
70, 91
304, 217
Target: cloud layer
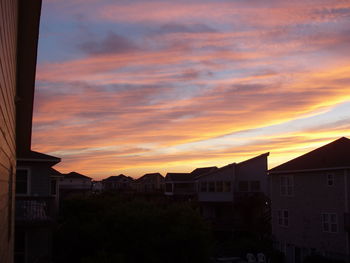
147, 86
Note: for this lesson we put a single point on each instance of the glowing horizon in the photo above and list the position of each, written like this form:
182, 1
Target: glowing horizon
135, 87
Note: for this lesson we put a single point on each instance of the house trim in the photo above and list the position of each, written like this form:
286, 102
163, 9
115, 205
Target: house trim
308, 170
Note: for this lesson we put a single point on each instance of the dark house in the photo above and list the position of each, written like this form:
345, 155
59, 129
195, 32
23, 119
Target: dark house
73, 184
180, 185
223, 193
310, 203
149, 183
118, 183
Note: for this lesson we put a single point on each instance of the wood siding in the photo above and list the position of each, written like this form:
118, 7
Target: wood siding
8, 40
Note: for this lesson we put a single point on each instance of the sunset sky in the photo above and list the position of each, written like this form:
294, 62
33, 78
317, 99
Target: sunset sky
167, 86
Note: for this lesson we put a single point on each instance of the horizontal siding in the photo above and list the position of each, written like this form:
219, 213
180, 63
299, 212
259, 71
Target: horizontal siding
8, 40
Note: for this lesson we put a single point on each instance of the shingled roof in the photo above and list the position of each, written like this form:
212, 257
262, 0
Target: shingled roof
333, 155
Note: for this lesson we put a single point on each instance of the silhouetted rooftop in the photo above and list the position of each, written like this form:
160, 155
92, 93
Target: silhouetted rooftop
203, 170
333, 155
54, 172
118, 178
179, 177
36, 156
76, 175
149, 175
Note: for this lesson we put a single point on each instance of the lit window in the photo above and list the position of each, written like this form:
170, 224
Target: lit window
330, 222
330, 179
283, 218
287, 185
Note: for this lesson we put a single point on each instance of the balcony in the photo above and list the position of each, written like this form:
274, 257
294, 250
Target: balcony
37, 210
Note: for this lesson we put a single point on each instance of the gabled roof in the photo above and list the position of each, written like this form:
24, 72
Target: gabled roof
333, 155
76, 175
232, 165
179, 177
38, 157
254, 158
149, 175
203, 170
216, 170
54, 172
118, 178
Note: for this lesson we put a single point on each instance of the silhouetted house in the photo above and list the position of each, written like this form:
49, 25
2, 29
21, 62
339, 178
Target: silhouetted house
203, 170
118, 183
19, 36
220, 190
180, 185
310, 203
74, 183
36, 206
149, 183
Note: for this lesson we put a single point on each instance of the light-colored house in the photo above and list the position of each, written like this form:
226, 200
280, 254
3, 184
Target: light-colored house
149, 183
310, 203
36, 206
73, 184
221, 189
118, 183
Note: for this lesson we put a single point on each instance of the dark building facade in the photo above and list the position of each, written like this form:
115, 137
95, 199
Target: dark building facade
310, 203
19, 24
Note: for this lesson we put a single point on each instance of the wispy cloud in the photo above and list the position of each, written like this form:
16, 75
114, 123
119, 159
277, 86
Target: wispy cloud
159, 85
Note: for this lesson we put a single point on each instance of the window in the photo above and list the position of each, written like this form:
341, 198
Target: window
168, 187
330, 222
219, 186
204, 186
243, 186
287, 185
255, 186
283, 218
211, 186
22, 178
53, 187
330, 179
227, 186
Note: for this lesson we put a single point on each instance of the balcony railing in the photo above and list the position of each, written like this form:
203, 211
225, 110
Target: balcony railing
35, 209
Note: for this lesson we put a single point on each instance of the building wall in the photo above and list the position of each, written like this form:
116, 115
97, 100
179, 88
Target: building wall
224, 175
75, 183
39, 177
312, 197
253, 170
8, 40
